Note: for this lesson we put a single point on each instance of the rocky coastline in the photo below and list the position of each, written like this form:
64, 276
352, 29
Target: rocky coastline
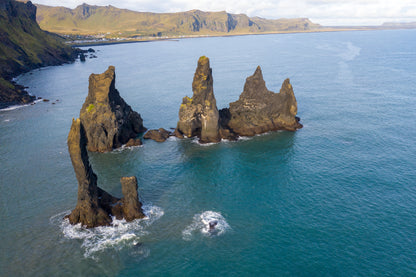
24, 47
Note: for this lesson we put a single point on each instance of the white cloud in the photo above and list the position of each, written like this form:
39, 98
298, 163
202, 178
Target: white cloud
325, 12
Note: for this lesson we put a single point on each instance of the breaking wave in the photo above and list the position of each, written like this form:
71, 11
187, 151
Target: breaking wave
120, 234
15, 107
201, 222
196, 141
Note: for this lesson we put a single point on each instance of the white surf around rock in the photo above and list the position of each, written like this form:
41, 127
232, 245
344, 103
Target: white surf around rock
120, 234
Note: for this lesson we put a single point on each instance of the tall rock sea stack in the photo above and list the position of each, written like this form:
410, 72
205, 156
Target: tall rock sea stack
89, 210
199, 116
259, 110
132, 208
108, 120
95, 206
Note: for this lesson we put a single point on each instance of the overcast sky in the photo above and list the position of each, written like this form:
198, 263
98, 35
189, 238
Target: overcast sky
325, 12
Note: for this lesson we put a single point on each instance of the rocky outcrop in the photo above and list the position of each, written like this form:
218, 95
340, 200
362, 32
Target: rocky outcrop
259, 110
134, 142
132, 208
159, 135
199, 116
95, 206
108, 120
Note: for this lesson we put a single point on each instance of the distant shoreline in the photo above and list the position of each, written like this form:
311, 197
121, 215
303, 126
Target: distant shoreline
176, 38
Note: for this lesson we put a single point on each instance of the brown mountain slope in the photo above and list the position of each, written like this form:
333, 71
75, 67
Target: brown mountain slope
86, 19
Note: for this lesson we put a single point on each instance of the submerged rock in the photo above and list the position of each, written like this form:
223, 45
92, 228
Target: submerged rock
82, 57
159, 135
108, 120
134, 142
259, 110
198, 116
95, 206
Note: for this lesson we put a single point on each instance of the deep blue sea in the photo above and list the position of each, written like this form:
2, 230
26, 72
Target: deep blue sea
336, 198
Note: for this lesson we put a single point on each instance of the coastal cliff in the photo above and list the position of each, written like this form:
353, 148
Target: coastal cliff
23, 47
95, 207
108, 120
199, 116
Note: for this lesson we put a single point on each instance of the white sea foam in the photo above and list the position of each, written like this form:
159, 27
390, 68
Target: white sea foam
244, 138
196, 140
346, 51
201, 222
117, 236
15, 107
172, 138
351, 52
124, 147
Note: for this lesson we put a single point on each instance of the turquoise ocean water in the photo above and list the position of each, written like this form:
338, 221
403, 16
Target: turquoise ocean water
336, 198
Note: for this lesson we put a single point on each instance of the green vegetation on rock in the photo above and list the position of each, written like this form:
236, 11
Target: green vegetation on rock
90, 107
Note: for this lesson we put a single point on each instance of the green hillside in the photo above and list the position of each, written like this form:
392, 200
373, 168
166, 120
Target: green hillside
24, 46
89, 20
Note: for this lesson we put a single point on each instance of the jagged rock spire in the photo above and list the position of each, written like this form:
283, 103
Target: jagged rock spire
108, 120
198, 116
259, 110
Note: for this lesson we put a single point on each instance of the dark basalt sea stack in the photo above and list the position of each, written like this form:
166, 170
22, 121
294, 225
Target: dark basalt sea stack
199, 116
108, 120
95, 206
131, 206
259, 110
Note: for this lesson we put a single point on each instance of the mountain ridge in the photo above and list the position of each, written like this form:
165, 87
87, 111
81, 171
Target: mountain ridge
91, 19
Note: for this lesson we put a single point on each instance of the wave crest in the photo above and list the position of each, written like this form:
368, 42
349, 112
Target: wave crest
201, 223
